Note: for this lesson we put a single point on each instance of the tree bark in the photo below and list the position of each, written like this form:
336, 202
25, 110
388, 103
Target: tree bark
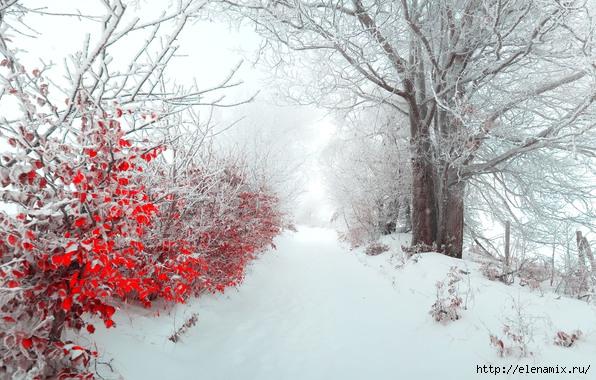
424, 198
424, 214
451, 228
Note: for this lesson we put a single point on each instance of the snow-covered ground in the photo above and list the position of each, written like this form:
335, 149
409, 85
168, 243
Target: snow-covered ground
312, 309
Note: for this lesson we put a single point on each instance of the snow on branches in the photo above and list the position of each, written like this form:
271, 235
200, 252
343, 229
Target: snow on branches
215, 211
89, 233
84, 221
76, 242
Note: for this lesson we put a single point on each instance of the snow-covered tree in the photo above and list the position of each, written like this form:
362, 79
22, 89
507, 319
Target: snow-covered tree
483, 84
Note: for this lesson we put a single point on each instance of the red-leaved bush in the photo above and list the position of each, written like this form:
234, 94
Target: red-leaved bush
87, 219
220, 217
75, 244
89, 233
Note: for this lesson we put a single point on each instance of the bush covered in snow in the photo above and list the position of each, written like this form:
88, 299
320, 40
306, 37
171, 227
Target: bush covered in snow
77, 241
518, 333
564, 339
449, 304
374, 249
218, 217
90, 232
514, 343
97, 225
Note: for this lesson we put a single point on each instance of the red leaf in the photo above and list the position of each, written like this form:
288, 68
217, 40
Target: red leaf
73, 279
137, 245
109, 310
124, 143
12, 240
90, 328
27, 343
9, 319
124, 166
18, 274
78, 178
149, 208
142, 219
82, 221
67, 303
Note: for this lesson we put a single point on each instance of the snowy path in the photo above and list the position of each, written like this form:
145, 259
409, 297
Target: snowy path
307, 312
312, 310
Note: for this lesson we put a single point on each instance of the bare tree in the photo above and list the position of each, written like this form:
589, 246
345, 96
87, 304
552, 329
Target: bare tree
483, 83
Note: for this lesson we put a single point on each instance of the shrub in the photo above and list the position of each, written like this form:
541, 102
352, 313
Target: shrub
222, 220
90, 232
516, 343
491, 271
418, 248
448, 305
529, 272
76, 243
518, 333
564, 339
376, 248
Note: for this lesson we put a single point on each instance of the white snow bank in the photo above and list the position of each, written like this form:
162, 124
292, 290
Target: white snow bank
312, 310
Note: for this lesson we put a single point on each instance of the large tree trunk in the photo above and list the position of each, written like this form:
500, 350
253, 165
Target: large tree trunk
451, 228
424, 200
437, 206
451, 213
424, 213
